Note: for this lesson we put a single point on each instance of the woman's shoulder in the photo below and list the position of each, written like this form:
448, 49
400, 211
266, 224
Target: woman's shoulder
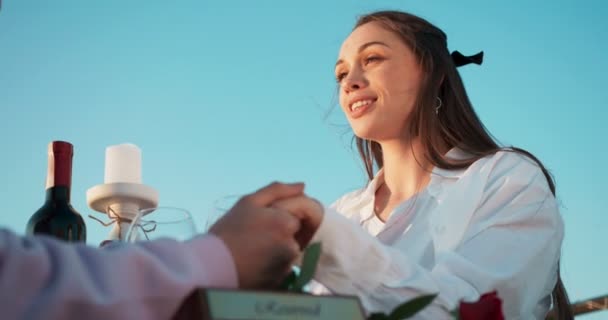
513, 162
510, 166
504, 186
504, 161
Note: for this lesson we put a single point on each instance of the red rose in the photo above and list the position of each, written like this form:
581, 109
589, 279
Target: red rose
488, 307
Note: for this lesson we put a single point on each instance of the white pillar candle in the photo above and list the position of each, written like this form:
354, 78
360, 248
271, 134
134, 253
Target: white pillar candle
123, 164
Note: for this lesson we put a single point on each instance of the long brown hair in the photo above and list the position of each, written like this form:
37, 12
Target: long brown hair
455, 125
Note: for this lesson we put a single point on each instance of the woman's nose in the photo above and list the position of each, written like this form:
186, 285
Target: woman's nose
354, 81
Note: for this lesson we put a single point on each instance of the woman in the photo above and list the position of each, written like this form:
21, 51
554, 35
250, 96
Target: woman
448, 211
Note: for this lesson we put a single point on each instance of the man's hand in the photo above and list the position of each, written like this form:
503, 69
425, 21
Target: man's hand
261, 238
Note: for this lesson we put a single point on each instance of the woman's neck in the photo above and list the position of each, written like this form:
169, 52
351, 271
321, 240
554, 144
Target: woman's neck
406, 169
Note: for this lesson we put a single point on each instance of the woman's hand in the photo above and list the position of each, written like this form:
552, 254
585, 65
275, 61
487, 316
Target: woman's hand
308, 211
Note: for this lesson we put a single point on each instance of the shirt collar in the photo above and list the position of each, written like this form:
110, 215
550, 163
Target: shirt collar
454, 154
373, 185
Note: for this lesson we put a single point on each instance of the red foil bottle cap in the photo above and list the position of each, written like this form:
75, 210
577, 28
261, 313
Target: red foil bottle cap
60, 164
61, 147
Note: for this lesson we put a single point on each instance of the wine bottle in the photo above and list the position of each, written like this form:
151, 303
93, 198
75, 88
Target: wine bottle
57, 217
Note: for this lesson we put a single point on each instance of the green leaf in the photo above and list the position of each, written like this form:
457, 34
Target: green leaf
309, 266
288, 281
411, 307
377, 316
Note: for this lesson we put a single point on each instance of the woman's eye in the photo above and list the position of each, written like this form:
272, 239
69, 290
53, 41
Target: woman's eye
371, 59
340, 76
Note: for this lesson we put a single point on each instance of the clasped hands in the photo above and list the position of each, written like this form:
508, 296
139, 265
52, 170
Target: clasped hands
266, 232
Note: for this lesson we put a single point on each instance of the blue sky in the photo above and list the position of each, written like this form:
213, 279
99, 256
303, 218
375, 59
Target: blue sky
226, 96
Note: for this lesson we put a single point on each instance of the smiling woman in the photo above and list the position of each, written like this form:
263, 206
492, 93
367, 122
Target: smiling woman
446, 210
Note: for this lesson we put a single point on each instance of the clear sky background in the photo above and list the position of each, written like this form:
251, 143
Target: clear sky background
226, 96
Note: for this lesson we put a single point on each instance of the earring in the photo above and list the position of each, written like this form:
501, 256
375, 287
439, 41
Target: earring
439, 104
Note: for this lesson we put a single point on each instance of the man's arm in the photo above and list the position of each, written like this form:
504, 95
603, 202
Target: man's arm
42, 278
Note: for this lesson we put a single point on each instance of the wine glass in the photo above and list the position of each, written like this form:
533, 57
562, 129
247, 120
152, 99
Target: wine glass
220, 207
161, 222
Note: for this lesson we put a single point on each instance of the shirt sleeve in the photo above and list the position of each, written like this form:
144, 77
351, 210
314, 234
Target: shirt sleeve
512, 245
43, 278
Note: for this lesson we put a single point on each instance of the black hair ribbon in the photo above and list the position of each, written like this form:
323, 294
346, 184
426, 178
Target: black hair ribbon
462, 60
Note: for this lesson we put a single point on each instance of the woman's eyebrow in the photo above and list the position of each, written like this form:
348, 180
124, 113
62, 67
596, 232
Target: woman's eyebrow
365, 45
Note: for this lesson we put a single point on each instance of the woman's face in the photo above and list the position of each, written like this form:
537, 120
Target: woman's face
379, 78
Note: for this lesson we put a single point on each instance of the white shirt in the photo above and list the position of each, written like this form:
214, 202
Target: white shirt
492, 226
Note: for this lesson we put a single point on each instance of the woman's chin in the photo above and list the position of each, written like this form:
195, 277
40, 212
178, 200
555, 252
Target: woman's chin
366, 134
379, 135
367, 130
